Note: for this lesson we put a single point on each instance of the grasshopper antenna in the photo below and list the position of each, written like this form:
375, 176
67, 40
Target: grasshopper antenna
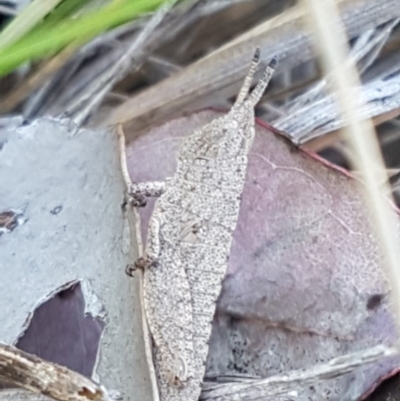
258, 91
249, 78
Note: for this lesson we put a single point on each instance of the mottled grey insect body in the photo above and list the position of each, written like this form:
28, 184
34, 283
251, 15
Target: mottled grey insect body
189, 241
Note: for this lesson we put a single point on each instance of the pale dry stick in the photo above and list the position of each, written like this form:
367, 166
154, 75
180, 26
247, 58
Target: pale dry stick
95, 94
37, 78
128, 183
32, 373
134, 226
332, 44
216, 6
322, 139
287, 383
321, 117
378, 43
66, 80
365, 45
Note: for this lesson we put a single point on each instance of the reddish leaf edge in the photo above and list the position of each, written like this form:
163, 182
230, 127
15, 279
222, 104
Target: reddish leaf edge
319, 158
378, 383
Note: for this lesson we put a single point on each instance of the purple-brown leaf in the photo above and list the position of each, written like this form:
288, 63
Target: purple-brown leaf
304, 282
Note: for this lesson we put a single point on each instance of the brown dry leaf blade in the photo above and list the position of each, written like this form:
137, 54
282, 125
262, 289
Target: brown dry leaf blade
304, 283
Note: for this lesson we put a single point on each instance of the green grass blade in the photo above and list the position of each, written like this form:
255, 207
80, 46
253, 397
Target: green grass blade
47, 41
26, 20
64, 10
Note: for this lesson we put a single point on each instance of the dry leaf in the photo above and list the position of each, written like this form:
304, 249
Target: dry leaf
304, 282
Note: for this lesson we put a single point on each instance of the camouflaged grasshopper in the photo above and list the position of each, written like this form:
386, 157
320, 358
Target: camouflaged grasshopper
189, 240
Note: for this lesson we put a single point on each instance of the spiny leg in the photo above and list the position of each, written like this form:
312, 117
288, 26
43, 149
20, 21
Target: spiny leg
138, 192
249, 78
258, 91
152, 248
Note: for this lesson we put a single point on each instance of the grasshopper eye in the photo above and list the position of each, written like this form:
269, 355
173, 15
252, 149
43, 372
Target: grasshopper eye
182, 369
178, 377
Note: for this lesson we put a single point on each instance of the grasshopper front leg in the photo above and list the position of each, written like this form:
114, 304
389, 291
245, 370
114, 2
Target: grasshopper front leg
152, 248
138, 192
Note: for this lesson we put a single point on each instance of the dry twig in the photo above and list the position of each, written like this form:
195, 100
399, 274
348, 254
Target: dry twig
288, 384
34, 374
133, 218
